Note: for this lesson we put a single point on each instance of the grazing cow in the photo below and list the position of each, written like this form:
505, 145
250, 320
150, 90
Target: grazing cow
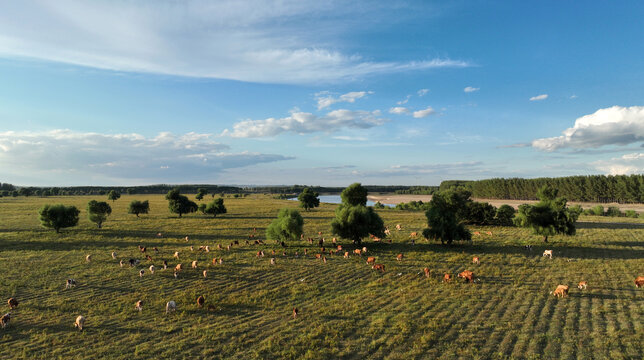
165, 264
357, 252
121, 263
179, 267
192, 248
138, 305
477, 233
413, 235
200, 301
80, 322
364, 249
426, 271
176, 275
295, 311
170, 306
155, 249
283, 253
272, 261
399, 257
528, 247
152, 268
221, 260
561, 291
319, 232
207, 248
380, 267
236, 242
283, 244
143, 249
260, 253
187, 238
148, 257
447, 277
334, 241
371, 260
272, 252
113, 255
306, 251
387, 232
159, 235
489, 233
346, 254
582, 285
467, 275
70, 283
318, 256
214, 261
398, 227
324, 259
205, 274
141, 273
13, 303
376, 239
176, 255
194, 264
475, 260
88, 258
4, 320
228, 247
133, 262
639, 281
219, 247
339, 247
547, 253
321, 242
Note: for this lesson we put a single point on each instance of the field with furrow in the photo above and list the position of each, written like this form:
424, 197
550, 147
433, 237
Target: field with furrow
346, 309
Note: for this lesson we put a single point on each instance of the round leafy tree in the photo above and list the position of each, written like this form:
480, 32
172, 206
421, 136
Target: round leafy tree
180, 204
445, 217
98, 211
288, 226
308, 199
201, 192
354, 194
549, 216
215, 207
58, 216
357, 222
504, 215
113, 195
138, 207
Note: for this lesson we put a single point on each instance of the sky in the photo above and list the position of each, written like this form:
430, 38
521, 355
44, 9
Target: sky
318, 92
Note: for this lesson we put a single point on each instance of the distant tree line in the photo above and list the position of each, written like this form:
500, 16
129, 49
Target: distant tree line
595, 188
418, 190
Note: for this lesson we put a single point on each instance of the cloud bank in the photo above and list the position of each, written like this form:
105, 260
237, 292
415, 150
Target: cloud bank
85, 158
251, 40
306, 123
610, 126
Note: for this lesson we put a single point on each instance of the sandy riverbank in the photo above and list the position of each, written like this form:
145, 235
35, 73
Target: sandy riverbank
393, 199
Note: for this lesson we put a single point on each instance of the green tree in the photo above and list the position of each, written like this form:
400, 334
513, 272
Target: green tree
24, 191
354, 194
201, 192
445, 217
549, 217
288, 226
113, 195
58, 216
179, 204
308, 199
480, 213
98, 211
216, 207
138, 207
357, 222
504, 215
130, 191
202, 208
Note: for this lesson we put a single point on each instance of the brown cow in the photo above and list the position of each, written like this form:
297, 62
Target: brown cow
475, 260
582, 285
371, 260
413, 235
399, 257
426, 270
4, 321
138, 305
398, 227
467, 275
358, 252
346, 254
13, 303
200, 301
639, 282
380, 267
339, 248
318, 256
179, 267
447, 277
295, 311
561, 290
324, 259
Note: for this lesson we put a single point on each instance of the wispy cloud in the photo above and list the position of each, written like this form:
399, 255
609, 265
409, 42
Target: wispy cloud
305, 123
422, 92
399, 110
250, 40
350, 138
610, 126
404, 101
80, 157
539, 97
424, 113
325, 99
470, 89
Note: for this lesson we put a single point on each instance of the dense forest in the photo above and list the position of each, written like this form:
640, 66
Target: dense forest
595, 188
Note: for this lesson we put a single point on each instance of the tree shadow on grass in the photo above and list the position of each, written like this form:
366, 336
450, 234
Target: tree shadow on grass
614, 226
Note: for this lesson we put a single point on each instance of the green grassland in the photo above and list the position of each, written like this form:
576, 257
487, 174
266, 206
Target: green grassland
346, 309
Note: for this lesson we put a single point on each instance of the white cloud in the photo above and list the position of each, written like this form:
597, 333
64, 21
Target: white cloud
539, 97
251, 40
326, 100
424, 113
350, 138
573, 96
470, 89
624, 165
422, 92
610, 126
75, 157
399, 110
403, 102
304, 123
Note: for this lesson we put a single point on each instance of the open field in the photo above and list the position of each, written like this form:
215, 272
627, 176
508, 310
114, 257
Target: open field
394, 199
346, 309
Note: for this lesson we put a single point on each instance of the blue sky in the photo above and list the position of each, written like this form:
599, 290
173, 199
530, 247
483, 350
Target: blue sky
320, 93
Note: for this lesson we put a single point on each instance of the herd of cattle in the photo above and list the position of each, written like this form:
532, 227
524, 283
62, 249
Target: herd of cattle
171, 306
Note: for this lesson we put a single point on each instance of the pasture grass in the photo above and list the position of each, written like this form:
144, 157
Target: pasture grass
347, 310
